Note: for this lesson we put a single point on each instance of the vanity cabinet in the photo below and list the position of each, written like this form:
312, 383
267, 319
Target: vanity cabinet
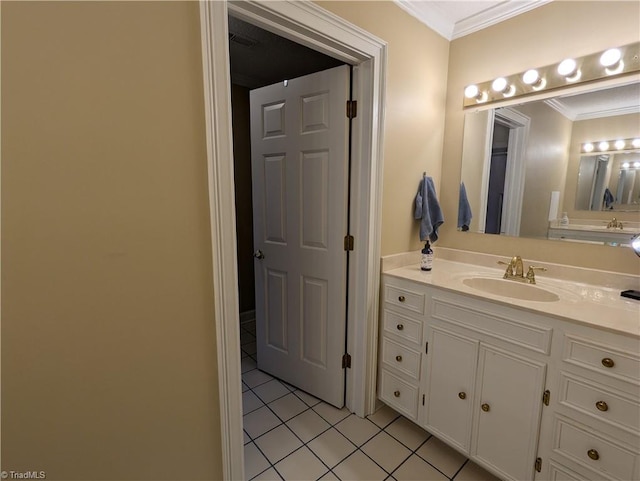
595, 426
482, 390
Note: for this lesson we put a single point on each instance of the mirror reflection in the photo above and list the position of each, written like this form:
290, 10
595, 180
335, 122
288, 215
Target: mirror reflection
524, 170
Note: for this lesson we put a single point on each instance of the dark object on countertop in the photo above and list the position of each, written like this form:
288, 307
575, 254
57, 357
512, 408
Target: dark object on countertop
631, 294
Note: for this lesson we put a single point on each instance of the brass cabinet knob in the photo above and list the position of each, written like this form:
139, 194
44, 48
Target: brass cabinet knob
399, 358
401, 298
400, 327
462, 395
593, 454
396, 393
602, 406
608, 362
485, 407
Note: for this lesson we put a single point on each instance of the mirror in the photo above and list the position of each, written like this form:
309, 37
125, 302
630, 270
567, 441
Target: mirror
523, 166
609, 182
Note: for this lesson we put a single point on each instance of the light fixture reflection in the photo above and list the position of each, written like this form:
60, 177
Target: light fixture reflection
625, 165
636, 143
588, 147
603, 146
619, 144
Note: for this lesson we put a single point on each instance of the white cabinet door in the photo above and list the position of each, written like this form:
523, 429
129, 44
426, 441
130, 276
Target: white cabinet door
507, 412
451, 368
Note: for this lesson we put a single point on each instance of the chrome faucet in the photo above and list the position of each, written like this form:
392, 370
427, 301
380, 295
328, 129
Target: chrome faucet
614, 224
515, 271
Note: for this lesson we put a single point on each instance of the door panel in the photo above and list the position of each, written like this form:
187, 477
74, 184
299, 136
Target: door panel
299, 145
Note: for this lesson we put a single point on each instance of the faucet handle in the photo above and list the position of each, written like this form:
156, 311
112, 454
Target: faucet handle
508, 274
531, 276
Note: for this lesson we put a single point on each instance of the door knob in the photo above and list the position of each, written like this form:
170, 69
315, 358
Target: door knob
593, 454
602, 406
608, 362
258, 254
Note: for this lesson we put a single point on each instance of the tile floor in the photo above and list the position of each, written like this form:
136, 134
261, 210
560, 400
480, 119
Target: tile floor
290, 435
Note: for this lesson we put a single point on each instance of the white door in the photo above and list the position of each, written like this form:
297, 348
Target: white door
299, 152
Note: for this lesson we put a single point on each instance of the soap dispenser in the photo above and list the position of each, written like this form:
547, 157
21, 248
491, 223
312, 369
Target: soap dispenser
426, 261
564, 220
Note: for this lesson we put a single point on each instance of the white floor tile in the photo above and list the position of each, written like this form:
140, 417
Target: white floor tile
407, 432
308, 425
359, 467
288, 406
356, 429
302, 464
255, 378
254, 461
416, 469
247, 364
383, 416
329, 476
270, 391
259, 422
330, 414
250, 402
387, 451
278, 443
307, 398
473, 472
268, 475
440, 455
331, 447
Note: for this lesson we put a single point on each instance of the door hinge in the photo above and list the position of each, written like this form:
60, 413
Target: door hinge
352, 109
426, 348
539, 464
423, 399
346, 360
348, 242
546, 397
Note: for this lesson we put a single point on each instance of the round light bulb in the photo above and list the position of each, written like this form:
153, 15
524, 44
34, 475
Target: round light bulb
636, 143
471, 91
588, 147
625, 165
567, 67
603, 146
636, 165
531, 77
610, 57
499, 84
619, 144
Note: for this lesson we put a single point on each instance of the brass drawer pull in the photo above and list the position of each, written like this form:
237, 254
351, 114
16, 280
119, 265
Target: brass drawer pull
400, 327
608, 362
593, 454
396, 393
399, 358
602, 406
462, 395
485, 407
401, 298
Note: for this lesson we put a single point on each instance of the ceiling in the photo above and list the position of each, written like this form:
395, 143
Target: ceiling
621, 100
456, 18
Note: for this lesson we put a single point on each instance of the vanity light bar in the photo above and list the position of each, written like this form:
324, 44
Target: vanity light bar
570, 71
611, 145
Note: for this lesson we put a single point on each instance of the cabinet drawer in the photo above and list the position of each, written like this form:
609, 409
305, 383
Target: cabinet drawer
589, 449
401, 358
606, 360
404, 298
601, 402
402, 326
398, 394
561, 473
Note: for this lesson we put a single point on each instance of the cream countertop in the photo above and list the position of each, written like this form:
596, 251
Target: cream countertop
586, 304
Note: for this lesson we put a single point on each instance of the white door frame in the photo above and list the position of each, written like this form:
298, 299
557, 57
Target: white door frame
516, 169
312, 26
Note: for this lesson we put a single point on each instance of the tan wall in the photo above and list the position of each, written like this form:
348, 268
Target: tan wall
536, 38
414, 111
108, 341
547, 153
608, 128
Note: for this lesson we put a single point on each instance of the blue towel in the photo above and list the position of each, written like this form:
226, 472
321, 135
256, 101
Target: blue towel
428, 210
608, 199
464, 209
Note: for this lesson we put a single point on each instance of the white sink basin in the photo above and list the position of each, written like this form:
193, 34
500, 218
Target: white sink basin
512, 289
